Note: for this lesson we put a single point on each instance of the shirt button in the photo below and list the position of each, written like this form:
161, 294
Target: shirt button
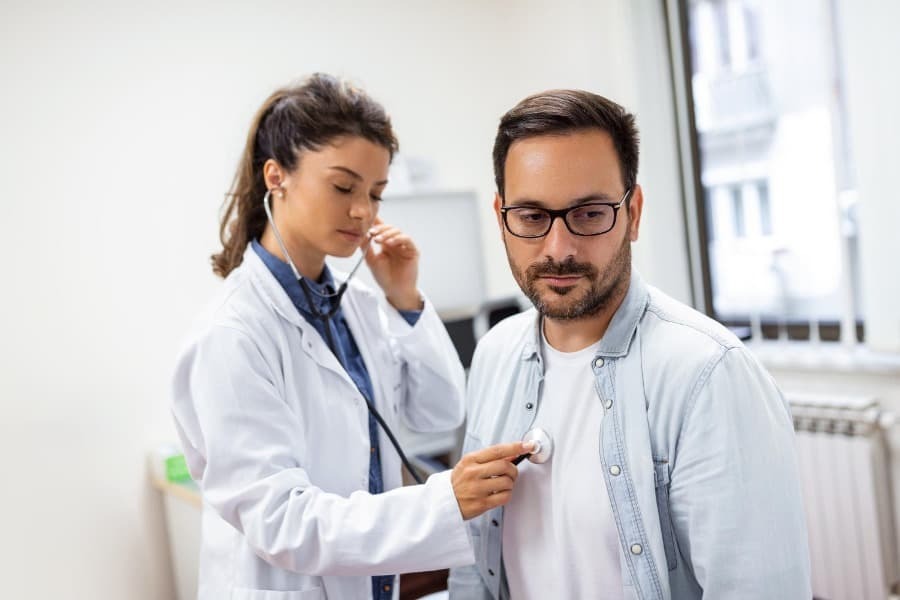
387, 587
372, 450
615, 470
529, 405
598, 363
607, 403
636, 549
495, 523
491, 572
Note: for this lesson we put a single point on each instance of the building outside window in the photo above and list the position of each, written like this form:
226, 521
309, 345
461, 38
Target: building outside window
779, 206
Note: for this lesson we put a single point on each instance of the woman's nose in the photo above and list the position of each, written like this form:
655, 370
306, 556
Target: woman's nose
363, 208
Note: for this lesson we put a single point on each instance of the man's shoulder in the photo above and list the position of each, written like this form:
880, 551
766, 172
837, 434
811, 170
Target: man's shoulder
499, 352
502, 364
681, 324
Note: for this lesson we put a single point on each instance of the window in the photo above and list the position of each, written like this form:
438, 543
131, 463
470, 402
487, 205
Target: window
765, 212
737, 211
778, 199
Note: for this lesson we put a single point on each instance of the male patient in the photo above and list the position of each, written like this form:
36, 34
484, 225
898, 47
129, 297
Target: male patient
673, 473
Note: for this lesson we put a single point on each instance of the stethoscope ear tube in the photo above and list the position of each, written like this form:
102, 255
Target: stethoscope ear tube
267, 206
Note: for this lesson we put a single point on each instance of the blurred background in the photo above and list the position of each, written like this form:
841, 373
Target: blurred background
769, 158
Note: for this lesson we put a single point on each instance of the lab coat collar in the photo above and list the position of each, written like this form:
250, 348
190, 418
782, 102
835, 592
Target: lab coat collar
617, 339
321, 290
269, 286
312, 344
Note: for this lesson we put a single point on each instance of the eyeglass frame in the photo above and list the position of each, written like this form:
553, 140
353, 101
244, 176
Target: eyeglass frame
563, 213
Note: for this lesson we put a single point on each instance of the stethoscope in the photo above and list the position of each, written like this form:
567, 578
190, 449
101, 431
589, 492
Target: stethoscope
334, 300
542, 450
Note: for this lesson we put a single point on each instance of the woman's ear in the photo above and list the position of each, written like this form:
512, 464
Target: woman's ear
273, 174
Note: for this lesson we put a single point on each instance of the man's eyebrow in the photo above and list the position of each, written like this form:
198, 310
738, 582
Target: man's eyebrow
354, 174
527, 202
599, 197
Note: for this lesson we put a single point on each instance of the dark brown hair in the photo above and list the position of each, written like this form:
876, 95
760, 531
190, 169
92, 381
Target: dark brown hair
558, 112
306, 116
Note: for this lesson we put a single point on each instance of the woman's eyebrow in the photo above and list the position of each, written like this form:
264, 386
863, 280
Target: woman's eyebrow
354, 174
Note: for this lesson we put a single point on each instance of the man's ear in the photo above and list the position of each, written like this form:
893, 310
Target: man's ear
635, 208
498, 202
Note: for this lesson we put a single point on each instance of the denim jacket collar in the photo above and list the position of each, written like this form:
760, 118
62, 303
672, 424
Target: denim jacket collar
617, 339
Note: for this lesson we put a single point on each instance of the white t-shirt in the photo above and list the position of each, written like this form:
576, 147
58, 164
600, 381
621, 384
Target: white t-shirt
559, 535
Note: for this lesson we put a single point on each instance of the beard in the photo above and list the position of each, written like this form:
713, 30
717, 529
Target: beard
605, 286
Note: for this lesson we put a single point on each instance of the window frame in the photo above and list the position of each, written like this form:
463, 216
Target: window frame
695, 204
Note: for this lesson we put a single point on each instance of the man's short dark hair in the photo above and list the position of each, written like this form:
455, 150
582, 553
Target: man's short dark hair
559, 112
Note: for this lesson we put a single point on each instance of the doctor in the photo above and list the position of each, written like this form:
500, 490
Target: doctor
291, 381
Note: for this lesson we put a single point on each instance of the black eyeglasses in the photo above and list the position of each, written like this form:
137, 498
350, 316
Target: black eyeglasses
592, 218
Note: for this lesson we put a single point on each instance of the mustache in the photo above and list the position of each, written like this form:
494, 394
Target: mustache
556, 268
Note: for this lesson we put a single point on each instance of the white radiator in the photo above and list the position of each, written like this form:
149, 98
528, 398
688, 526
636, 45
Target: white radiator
845, 474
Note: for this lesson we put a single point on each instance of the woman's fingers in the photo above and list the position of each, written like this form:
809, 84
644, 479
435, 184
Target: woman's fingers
393, 240
484, 479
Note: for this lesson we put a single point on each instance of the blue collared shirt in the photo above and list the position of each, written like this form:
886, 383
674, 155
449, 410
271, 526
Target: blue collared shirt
347, 352
696, 446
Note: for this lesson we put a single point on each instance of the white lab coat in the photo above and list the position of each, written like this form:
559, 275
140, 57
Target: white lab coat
276, 434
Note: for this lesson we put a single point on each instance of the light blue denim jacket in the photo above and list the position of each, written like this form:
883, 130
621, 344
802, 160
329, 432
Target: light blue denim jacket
697, 448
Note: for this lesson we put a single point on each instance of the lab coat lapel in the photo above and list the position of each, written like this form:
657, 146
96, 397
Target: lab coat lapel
311, 342
360, 312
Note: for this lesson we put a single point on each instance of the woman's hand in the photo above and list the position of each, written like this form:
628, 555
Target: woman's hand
484, 479
395, 266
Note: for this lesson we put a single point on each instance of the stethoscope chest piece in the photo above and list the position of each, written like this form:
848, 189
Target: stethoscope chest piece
544, 445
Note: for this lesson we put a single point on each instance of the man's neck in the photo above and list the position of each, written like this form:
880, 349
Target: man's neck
572, 335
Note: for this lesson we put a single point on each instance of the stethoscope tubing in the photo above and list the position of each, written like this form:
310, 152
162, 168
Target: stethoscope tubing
335, 302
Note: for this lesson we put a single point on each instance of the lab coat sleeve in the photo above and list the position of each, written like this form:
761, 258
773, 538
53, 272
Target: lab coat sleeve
735, 495
433, 382
242, 447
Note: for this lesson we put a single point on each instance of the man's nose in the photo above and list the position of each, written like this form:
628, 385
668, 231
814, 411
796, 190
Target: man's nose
559, 243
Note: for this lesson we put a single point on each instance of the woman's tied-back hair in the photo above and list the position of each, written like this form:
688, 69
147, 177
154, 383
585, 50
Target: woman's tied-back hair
306, 116
559, 112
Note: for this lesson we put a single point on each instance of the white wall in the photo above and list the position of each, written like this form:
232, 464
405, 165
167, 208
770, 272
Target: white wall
871, 46
121, 126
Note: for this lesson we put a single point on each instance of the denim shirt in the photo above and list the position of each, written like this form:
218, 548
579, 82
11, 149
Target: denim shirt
696, 447
348, 355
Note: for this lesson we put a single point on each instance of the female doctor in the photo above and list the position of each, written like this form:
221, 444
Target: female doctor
289, 384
